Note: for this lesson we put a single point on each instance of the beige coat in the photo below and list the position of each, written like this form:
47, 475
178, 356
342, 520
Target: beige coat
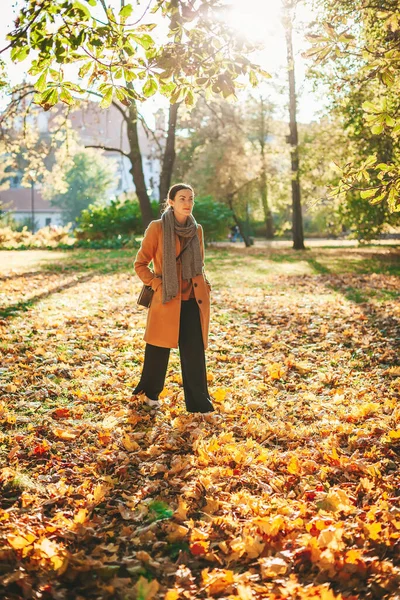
163, 319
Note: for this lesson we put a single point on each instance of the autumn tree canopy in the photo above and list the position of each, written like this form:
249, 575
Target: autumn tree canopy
127, 54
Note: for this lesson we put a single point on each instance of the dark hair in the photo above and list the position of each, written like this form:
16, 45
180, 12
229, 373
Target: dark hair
172, 192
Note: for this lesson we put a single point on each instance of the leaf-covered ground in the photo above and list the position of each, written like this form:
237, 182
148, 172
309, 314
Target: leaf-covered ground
294, 493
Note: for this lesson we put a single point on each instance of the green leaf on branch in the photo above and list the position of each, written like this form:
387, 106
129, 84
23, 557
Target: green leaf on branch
150, 87
84, 70
378, 199
82, 9
189, 98
371, 108
368, 193
66, 97
40, 84
49, 98
126, 11
377, 129
107, 97
390, 122
144, 40
19, 54
253, 79
122, 96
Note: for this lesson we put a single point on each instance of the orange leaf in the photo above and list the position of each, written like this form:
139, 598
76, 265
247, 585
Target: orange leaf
64, 434
61, 413
199, 548
217, 580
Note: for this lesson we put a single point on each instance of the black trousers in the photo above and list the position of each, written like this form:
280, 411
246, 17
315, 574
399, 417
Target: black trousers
193, 363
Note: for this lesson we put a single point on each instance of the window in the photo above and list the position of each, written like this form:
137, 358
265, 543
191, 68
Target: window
48, 221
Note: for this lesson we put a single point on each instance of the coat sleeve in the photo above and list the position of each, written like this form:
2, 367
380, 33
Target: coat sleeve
145, 255
202, 255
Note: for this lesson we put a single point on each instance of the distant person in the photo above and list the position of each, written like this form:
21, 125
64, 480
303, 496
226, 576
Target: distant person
180, 308
235, 233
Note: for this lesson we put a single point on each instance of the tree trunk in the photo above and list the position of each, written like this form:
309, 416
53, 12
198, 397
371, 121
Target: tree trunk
238, 222
169, 154
297, 218
269, 224
137, 167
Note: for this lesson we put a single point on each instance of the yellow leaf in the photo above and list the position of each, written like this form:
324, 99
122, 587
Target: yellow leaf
110, 422
146, 590
393, 372
253, 545
331, 537
59, 563
81, 516
373, 530
270, 526
271, 567
181, 512
276, 370
47, 547
171, 595
219, 394
176, 532
18, 541
129, 443
303, 367
294, 466
244, 592
63, 434
100, 491
334, 454
394, 434
217, 580
353, 556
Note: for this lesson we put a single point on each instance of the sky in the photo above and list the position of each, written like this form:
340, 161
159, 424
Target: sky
260, 21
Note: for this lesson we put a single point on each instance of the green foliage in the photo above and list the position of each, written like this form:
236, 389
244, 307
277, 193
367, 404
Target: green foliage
87, 181
113, 50
119, 218
159, 511
214, 217
25, 223
364, 220
366, 62
122, 217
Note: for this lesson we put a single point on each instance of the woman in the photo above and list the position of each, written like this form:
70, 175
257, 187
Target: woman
179, 312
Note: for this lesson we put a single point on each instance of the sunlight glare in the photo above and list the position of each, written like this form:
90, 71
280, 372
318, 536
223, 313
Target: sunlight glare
257, 20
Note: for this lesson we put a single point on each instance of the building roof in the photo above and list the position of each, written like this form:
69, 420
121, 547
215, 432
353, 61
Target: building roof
19, 200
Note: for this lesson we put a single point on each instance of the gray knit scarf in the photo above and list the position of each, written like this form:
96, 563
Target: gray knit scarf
192, 263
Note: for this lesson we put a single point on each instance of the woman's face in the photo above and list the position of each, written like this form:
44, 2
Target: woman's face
182, 205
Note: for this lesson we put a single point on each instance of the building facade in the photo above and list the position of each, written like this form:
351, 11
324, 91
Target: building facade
95, 127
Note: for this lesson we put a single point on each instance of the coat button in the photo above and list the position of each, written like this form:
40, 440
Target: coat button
195, 284
199, 301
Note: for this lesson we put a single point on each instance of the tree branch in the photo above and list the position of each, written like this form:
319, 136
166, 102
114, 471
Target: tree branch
149, 130
23, 30
114, 103
108, 149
